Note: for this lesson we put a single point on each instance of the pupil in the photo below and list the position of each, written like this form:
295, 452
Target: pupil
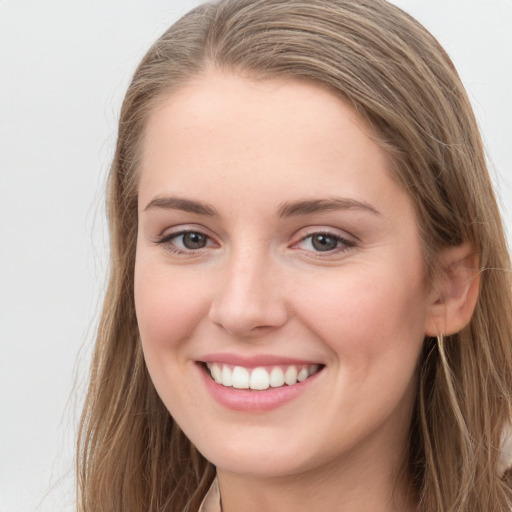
194, 240
324, 242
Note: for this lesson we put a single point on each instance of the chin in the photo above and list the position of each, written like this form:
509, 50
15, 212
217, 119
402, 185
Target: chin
258, 466
263, 456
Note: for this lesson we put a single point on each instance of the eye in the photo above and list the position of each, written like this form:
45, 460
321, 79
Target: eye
191, 240
324, 242
185, 241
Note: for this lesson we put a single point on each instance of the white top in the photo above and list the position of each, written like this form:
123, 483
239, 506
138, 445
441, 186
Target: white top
211, 502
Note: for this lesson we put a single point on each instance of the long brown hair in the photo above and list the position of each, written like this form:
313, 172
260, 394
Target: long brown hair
131, 454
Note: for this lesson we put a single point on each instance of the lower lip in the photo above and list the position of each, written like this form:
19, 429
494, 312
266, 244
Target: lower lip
254, 401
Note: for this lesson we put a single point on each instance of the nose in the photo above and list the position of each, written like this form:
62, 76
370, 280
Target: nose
249, 300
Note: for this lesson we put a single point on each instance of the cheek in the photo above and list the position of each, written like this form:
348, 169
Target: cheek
169, 309
367, 315
374, 328
168, 306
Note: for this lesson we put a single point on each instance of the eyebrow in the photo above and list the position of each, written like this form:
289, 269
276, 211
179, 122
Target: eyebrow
297, 208
180, 203
286, 209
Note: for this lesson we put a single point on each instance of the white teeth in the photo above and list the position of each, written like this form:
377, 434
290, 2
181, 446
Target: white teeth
276, 377
216, 373
260, 378
240, 378
227, 376
302, 375
290, 376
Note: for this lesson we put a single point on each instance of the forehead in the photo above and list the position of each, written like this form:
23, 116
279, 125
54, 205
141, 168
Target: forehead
266, 137
216, 103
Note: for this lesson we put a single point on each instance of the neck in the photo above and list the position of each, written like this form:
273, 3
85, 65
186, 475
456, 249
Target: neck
374, 485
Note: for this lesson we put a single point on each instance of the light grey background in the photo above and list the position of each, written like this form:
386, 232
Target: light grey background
64, 67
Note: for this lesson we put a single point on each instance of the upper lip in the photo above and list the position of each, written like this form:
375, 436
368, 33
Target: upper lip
254, 361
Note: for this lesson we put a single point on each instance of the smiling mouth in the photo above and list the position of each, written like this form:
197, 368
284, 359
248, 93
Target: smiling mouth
262, 377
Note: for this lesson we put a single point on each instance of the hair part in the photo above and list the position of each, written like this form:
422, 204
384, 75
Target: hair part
131, 454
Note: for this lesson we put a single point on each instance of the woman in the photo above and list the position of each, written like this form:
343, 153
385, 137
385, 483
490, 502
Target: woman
308, 306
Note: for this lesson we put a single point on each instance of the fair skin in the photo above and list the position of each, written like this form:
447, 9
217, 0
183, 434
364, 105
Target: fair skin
271, 234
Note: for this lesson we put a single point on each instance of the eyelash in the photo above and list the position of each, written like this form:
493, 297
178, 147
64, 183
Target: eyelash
166, 240
342, 244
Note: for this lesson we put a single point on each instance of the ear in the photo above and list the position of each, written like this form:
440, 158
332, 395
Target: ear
453, 299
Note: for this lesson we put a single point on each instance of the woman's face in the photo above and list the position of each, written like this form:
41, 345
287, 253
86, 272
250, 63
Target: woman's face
276, 252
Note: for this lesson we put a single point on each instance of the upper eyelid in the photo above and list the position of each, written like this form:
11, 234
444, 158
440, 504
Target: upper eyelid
185, 228
175, 234
166, 236
304, 233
